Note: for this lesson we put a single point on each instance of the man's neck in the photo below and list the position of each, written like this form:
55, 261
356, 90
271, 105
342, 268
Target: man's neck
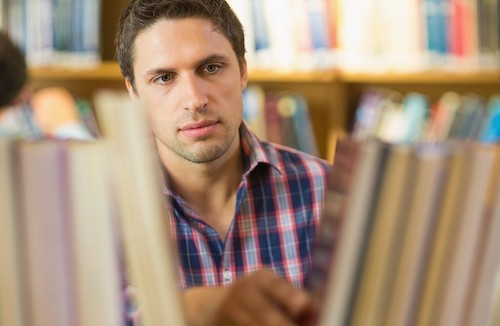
209, 188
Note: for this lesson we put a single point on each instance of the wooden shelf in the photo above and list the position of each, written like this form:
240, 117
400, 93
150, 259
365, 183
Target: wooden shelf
426, 77
110, 70
324, 76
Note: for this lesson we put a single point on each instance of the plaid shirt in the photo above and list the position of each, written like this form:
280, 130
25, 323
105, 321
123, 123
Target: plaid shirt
280, 201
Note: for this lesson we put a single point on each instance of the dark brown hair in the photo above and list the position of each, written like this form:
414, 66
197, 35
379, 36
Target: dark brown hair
13, 71
140, 14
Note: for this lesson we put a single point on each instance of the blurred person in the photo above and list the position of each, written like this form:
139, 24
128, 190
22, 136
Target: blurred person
46, 113
245, 211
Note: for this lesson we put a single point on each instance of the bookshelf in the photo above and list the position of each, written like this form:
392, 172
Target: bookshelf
332, 94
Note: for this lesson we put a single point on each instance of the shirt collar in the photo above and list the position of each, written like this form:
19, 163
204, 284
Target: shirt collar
256, 152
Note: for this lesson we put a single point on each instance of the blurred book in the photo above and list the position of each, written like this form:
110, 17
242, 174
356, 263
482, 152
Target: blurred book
340, 244
281, 117
12, 310
408, 235
143, 212
66, 234
412, 118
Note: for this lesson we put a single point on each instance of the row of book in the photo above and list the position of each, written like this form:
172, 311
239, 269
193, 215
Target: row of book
59, 32
74, 217
22, 120
405, 118
280, 117
411, 235
366, 35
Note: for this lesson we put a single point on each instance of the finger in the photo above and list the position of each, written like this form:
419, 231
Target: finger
232, 313
295, 302
238, 308
266, 311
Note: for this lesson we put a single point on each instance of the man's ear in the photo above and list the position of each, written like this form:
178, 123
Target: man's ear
130, 88
244, 73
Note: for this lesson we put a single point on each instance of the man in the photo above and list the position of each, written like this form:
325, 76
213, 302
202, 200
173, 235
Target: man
12, 64
245, 212
48, 112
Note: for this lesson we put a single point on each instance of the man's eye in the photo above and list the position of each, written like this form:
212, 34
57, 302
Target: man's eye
212, 68
163, 79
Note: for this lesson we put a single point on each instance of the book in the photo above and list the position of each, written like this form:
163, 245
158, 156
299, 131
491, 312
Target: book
348, 155
369, 112
415, 108
95, 256
463, 33
281, 34
243, 9
45, 234
488, 21
435, 13
422, 248
466, 236
253, 110
262, 43
273, 119
429, 173
393, 124
85, 42
449, 214
494, 316
490, 129
12, 311
286, 109
143, 214
38, 37
384, 240
352, 211
87, 116
475, 115
296, 126
442, 115
467, 116
319, 29
303, 123
487, 260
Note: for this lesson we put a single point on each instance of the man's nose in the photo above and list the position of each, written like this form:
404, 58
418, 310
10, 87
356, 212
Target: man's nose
193, 93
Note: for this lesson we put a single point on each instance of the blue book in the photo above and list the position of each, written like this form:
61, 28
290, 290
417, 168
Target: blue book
435, 15
491, 127
318, 23
261, 33
415, 107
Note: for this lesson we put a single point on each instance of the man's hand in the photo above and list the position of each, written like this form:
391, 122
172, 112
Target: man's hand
258, 299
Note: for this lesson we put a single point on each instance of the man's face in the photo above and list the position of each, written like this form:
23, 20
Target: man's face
187, 76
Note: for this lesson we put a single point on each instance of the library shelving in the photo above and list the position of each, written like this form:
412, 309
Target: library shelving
332, 95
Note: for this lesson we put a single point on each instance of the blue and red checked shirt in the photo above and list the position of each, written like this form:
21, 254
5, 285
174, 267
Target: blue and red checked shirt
280, 200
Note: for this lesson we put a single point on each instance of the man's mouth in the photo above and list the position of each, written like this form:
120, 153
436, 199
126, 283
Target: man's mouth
199, 129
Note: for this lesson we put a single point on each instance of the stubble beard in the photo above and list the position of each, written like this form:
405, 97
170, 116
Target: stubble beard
204, 151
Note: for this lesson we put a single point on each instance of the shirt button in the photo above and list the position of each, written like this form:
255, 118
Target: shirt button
227, 276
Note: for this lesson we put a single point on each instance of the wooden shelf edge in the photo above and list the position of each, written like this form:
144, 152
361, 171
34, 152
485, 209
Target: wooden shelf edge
110, 70
322, 76
424, 77
105, 71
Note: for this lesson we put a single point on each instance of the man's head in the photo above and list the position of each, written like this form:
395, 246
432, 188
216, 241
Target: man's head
13, 72
184, 60
141, 14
